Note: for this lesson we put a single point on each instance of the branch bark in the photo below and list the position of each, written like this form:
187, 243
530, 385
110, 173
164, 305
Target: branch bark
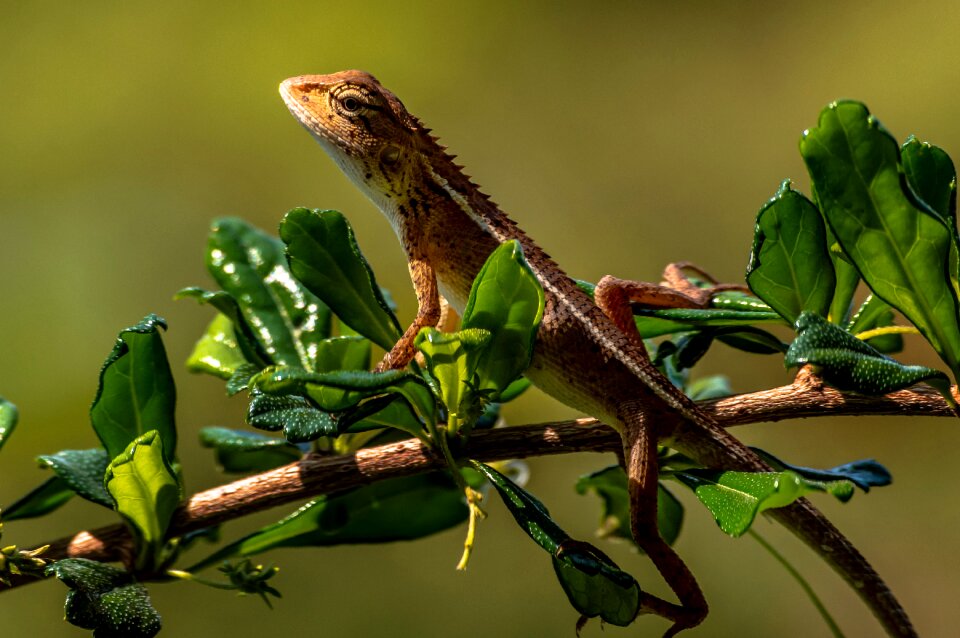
314, 475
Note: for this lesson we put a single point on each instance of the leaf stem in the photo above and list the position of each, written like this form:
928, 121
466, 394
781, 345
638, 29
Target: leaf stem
804, 585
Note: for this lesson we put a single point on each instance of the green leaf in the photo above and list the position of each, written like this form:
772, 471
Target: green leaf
507, 301
82, 471
145, 492
338, 354
42, 500
8, 420
593, 583
899, 245
246, 338
251, 266
397, 509
597, 587
750, 339
362, 383
451, 361
514, 390
851, 364
217, 352
242, 451
106, 599
610, 484
295, 415
932, 177
865, 473
790, 265
324, 256
136, 392
735, 498
875, 313
713, 387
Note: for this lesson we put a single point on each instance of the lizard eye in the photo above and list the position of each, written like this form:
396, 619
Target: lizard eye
349, 102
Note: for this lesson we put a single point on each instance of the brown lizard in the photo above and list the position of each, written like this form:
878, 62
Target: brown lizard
588, 353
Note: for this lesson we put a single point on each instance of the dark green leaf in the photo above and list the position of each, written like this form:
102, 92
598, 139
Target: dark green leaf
82, 471
851, 364
597, 587
240, 379
324, 256
242, 451
790, 265
610, 484
393, 510
339, 354
865, 473
932, 177
217, 352
735, 498
8, 420
293, 414
594, 585
899, 245
136, 392
507, 301
106, 599
515, 389
251, 266
750, 339
145, 492
40, 501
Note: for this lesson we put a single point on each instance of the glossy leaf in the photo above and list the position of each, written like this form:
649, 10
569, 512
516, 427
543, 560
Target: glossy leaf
217, 352
750, 339
145, 492
8, 420
397, 509
106, 599
851, 364
136, 392
243, 451
507, 301
713, 387
45, 498
735, 498
324, 256
790, 266
594, 585
610, 484
82, 471
246, 337
899, 245
295, 415
865, 473
251, 266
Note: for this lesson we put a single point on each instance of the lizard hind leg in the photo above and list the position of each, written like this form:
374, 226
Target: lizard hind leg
640, 459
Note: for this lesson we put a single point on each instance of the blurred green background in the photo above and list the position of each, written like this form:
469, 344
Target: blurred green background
621, 135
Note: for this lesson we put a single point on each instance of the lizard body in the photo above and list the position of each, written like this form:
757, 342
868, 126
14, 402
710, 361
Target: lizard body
585, 355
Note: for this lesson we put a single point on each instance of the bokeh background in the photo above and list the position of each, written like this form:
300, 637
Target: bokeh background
621, 135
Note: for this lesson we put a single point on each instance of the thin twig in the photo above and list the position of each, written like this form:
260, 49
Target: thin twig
314, 475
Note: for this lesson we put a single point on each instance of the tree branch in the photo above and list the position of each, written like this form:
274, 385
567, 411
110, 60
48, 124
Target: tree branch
314, 475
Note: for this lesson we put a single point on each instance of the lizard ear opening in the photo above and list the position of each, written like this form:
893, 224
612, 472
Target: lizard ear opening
390, 154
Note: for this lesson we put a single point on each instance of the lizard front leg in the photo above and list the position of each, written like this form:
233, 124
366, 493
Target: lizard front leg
428, 311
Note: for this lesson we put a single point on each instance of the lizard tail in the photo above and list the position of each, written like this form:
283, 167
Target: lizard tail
814, 529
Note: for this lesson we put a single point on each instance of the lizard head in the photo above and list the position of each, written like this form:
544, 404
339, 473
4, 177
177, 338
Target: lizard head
362, 126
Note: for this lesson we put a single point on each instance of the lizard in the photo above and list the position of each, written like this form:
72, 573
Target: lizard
587, 353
